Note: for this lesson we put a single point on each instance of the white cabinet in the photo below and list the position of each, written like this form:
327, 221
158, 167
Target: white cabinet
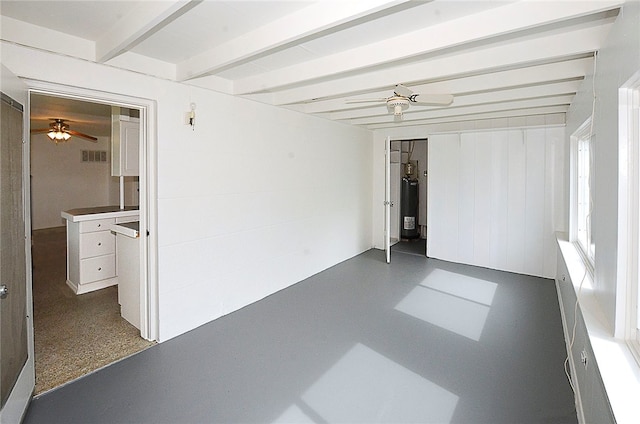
91, 246
91, 255
125, 145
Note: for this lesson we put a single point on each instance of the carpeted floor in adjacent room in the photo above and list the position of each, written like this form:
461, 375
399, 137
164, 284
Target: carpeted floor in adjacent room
74, 334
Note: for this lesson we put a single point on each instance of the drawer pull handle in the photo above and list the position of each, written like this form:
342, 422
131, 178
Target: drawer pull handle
99, 225
99, 244
100, 269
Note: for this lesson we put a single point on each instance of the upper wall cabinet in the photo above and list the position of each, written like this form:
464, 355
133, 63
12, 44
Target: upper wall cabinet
125, 144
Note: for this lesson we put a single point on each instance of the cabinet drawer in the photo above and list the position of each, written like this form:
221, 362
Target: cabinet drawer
97, 244
96, 225
98, 268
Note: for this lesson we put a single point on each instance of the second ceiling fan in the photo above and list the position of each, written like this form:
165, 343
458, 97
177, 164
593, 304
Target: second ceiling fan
403, 97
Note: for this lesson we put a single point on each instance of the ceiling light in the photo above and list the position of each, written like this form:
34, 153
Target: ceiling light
397, 104
58, 135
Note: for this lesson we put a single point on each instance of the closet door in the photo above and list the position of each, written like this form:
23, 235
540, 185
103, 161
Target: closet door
490, 200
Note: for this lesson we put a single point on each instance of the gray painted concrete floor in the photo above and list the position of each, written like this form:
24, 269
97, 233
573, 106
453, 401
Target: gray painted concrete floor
419, 340
414, 247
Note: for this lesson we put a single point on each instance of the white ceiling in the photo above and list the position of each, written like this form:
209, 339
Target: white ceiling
498, 58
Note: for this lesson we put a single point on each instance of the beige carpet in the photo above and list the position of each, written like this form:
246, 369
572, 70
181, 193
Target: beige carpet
74, 335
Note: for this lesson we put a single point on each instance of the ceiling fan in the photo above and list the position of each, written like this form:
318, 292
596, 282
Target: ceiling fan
59, 131
403, 97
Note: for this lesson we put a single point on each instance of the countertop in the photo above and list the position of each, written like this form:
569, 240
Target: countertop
100, 212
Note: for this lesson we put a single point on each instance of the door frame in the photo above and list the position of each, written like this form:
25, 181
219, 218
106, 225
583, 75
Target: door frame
149, 323
387, 199
387, 189
16, 405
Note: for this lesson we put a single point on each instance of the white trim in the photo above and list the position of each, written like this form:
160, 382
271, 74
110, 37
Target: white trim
584, 131
387, 198
148, 187
627, 290
619, 371
497, 128
21, 393
17, 403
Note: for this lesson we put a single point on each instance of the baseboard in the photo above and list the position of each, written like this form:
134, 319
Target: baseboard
89, 287
72, 285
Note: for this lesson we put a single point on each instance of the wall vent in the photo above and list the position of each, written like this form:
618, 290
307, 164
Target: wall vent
94, 156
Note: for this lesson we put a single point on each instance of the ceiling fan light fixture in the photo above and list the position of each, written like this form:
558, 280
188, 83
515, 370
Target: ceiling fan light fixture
58, 135
59, 131
398, 105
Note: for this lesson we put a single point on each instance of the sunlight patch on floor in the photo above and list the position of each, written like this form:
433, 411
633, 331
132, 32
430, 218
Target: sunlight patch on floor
455, 302
365, 386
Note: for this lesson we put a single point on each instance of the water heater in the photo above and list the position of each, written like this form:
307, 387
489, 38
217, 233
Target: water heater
409, 209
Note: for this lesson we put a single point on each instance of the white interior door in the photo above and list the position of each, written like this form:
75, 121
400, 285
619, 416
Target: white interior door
16, 333
387, 199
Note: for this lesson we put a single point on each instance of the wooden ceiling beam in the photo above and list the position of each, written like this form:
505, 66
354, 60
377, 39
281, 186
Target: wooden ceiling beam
314, 21
499, 96
518, 53
531, 75
469, 110
140, 23
510, 114
480, 27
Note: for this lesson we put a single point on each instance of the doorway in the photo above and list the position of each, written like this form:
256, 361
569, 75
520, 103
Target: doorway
408, 188
77, 332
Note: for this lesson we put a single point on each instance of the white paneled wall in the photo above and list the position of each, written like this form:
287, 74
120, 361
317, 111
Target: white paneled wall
252, 200
491, 199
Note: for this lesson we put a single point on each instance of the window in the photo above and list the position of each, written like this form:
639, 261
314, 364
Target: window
633, 136
582, 235
628, 292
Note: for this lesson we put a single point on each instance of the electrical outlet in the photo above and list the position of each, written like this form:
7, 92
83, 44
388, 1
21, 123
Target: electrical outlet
583, 358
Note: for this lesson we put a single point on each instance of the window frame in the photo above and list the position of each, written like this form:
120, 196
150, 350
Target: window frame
582, 140
627, 324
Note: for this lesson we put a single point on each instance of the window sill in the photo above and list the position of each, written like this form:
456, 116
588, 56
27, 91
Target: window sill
618, 368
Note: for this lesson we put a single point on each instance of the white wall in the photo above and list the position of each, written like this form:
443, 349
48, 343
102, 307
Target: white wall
424, 131
618, 60
492, 199
252, 201
61, 181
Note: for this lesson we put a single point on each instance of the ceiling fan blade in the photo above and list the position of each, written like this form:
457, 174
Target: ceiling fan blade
79, 134
401, 90
432, 99
366, 100
40, 131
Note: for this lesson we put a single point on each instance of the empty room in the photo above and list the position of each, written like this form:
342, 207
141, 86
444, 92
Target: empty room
320, 211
